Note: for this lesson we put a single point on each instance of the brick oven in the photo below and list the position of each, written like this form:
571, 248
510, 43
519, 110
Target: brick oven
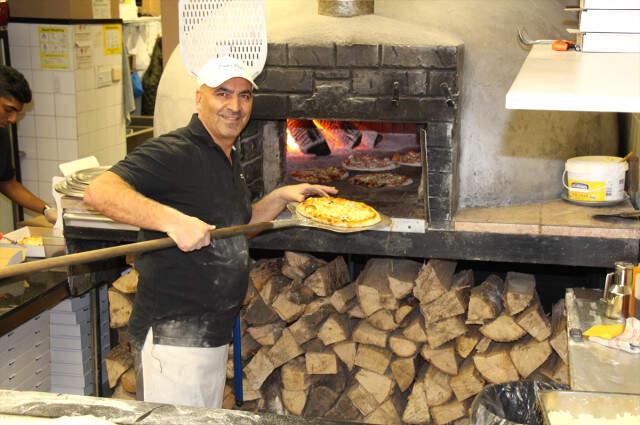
410, 90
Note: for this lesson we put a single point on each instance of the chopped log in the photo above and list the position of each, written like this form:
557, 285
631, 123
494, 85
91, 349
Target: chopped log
325, 363
503, 329
344, 409
340, 271
313, 346
272, 394
467, 342
117, 361
364, 333
274, 287
448, 412
294, 375
228, 397
417, 410
555, 369
368, 299
380, 386
327, 278
121, 394
468, 382
558, 338
258, 313
335, 329
529, 354
127, 283
402, 277
403, 370
485, 301
346, 351
259, 369
250, 394
306, 327
372, 358
483, 345
120, 308
249, 347
449, 304
401, 313
290, 304
284, 350
441, 332
443, 357
434, 279
128, 380
263, 270
266, 334
248, 297
385, 414
495, 364
298, 266
363, 400
437, 386
317, 304
415, 330
401, 346
383, 319
462, 421
294, 401
520, 289
462, 279
340, 298
320, 400
336, 381
373, 286
535, 322
355, 311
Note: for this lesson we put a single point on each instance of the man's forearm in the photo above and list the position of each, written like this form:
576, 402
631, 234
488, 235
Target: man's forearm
113, 197
15, 191
267, 208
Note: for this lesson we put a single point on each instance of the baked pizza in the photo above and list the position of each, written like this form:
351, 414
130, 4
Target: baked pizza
377, 180
320, 175
364, 162
338, 212
410, 158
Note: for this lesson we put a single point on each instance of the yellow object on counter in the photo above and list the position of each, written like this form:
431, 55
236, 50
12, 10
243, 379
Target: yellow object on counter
605, 331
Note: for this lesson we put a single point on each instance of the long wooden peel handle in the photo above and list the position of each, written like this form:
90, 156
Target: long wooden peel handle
132, 248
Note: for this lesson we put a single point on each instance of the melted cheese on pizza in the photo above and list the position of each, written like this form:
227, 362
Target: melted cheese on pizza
338, 212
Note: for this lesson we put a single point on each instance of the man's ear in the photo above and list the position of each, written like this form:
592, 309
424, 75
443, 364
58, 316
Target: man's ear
198, 99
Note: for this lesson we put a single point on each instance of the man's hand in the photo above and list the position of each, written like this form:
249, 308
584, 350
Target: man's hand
300, 192
191, 233
51, 214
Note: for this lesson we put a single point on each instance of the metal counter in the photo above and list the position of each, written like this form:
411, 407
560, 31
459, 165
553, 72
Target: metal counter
593, 367
125, 412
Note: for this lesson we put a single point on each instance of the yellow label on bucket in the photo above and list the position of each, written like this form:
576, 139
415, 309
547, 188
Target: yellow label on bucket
587, 191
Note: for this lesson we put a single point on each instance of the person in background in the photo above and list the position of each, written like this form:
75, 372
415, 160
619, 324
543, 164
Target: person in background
184, 184
14, 94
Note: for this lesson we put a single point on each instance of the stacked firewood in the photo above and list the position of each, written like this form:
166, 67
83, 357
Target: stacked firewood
403, 343
119, 361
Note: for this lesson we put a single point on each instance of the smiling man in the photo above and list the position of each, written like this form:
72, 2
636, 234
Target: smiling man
183, 184
14, 94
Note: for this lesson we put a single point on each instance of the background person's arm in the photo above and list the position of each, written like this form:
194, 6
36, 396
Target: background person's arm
19, 194
113, 197
268, 208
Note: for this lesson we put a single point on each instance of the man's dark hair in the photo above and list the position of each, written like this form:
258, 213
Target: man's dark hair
13, 84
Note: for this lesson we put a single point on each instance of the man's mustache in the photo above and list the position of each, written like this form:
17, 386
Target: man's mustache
231, 114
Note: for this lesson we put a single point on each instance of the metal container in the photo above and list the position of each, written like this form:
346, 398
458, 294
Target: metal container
617, 291
598, 405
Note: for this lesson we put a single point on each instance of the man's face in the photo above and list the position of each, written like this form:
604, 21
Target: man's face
225, 110
9, 110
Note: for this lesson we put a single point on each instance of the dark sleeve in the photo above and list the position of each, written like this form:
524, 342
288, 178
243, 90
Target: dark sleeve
154, 167
6, 165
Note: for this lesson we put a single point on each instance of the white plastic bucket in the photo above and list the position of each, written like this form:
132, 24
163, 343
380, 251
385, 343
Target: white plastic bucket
595, 178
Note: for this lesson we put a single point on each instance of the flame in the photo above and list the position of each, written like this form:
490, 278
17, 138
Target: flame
330, 134
292, 146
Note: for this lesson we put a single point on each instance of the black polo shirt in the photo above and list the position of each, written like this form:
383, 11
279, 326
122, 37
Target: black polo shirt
6, 164
190, 299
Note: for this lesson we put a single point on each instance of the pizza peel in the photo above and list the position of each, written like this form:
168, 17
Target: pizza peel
296, 220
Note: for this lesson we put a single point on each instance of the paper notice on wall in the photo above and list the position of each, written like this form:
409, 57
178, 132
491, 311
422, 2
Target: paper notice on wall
112, 39
84, 54
54, 47
101, 9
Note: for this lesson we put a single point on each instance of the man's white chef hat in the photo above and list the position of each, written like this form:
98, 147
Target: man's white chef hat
220, 69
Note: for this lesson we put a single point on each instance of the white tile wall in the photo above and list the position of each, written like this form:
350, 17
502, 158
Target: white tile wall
69, 117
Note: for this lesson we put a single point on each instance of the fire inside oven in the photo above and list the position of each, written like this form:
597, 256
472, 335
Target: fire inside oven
374, 162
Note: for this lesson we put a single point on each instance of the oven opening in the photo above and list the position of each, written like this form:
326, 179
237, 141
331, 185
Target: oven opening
374, 162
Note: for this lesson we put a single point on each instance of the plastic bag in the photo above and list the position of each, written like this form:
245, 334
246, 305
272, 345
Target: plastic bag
513, 403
